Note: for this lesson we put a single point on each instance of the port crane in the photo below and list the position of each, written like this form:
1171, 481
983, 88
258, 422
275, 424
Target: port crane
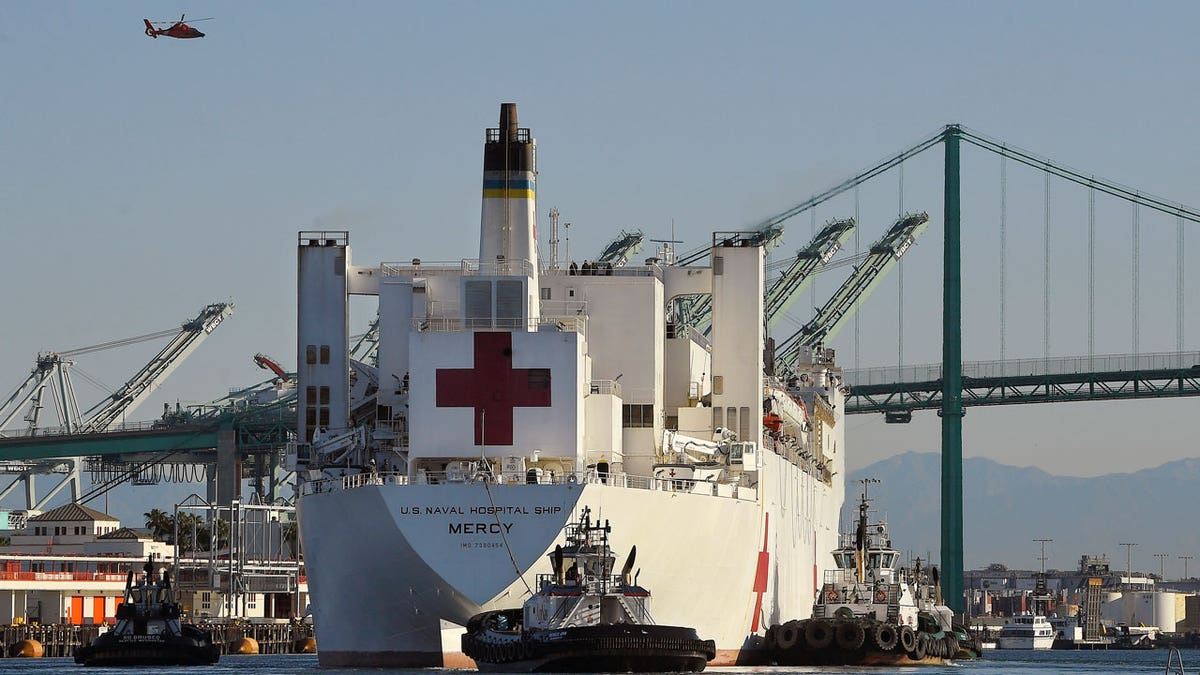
787, 286
801, 272
50, 378
620, 250
882, 255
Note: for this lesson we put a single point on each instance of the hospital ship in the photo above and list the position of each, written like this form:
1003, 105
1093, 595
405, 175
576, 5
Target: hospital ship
506, 395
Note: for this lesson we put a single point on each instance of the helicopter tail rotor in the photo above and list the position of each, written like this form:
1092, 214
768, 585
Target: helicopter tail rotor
150, 29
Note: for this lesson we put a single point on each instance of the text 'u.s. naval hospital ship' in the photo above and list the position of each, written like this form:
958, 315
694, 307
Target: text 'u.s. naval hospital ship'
509, 395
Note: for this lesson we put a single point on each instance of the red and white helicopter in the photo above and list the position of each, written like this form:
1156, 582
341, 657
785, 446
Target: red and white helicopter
175, 29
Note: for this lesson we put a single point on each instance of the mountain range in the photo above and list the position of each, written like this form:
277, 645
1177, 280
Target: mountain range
1006, 507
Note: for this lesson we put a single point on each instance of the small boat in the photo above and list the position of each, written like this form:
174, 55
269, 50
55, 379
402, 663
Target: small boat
871, 611
582, 618
150, 630
1026, 631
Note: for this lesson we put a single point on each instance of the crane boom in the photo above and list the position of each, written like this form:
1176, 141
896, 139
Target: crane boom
799, 275
842, 304
787, 287
620, 250
189, 336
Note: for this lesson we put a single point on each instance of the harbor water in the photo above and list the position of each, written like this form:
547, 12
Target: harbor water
1006, 662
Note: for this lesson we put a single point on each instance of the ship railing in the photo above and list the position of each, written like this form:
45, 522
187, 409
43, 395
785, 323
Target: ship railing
623, 271
498, 268
572, 323
590, 477
324, 238
418, 268
605, 387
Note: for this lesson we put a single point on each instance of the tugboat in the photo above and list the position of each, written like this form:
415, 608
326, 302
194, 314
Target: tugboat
149, 630
584, 619
870, 611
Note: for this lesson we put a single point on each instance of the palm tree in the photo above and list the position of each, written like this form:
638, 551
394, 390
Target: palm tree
161, 524
191, 531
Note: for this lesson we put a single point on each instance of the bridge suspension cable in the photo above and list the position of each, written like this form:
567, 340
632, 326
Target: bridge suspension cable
861, 177
1075, 176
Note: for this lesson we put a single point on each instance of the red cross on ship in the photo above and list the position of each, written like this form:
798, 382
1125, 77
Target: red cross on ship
493, 388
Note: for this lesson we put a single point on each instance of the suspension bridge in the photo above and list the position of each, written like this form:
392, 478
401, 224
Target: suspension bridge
897, 390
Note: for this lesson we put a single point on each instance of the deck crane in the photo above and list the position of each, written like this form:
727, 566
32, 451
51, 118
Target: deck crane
620, 250
841, 305
52, 370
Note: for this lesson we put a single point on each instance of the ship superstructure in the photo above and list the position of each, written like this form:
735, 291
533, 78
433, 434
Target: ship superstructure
508, 396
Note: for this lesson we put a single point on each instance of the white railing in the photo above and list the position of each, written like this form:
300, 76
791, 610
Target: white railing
455, 324
591, 477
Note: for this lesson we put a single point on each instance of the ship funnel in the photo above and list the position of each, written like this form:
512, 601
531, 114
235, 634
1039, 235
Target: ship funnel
508, 121
508, 223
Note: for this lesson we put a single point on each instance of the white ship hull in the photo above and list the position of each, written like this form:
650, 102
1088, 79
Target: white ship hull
1040, 642
389, 563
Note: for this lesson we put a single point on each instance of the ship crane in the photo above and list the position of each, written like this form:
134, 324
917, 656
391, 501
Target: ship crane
842, 304
52, 370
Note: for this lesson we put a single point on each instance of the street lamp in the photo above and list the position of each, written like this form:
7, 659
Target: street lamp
1128, 562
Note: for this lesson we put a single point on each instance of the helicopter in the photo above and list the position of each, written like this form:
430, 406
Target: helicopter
175, 29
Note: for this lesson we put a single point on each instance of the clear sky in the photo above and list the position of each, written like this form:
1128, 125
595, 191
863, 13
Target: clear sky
141, 179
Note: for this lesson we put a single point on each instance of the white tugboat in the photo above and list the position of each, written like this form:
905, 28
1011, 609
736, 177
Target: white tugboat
150, 630
584, 619
870, 611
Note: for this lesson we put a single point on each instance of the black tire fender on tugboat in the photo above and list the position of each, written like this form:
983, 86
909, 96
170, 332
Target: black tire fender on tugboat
849, 635
787, 635
818, 634
885, 636
951, 646
908, 639
920, 647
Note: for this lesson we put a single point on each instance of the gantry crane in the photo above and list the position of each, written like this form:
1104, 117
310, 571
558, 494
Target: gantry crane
52, 370
842, 304
620, 250
799, 274
787, 286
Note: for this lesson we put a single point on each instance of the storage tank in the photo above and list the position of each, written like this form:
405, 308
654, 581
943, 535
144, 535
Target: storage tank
1110, 607
1152, 608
